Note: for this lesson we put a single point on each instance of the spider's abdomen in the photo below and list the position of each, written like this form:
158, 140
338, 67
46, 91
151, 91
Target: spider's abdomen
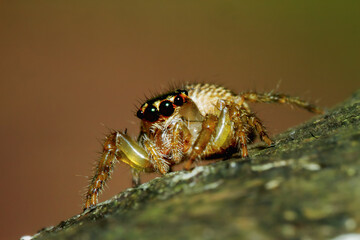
206, 96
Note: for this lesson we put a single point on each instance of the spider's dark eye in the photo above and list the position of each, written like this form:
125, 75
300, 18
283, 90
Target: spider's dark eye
151, 114
140, 114
178, 100
166, 108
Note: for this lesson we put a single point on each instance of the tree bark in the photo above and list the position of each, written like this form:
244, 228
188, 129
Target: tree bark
307, 186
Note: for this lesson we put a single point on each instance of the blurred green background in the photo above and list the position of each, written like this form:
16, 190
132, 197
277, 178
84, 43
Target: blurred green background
69, 71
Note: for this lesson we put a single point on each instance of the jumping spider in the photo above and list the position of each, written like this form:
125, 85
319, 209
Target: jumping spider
191, 123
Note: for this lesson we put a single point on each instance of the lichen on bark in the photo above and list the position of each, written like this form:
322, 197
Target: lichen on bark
307, 186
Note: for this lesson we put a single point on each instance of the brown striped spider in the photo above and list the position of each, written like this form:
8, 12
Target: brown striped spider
195, 122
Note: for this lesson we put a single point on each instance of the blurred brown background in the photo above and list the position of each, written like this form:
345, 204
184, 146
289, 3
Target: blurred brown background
70, 71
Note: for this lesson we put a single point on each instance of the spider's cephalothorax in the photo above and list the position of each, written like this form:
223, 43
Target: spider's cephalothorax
194, 122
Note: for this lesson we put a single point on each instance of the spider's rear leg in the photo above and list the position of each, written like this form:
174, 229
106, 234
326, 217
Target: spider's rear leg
117, 147
272, 98
244, 123
279, 98
236, 115
259, 128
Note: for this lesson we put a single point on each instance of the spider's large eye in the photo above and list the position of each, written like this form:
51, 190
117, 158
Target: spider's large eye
151, 114
140, 114
178, 100
166, 108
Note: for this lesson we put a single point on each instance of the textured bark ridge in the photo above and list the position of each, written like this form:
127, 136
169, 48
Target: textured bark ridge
305, 187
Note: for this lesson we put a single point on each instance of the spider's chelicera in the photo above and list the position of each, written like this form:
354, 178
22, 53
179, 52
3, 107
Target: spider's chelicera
188, 124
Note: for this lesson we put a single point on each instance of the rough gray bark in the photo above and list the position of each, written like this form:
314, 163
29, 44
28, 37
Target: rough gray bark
305, 187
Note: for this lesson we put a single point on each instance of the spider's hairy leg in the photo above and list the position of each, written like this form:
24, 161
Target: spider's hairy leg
117, 147
243, 143
259, 128
102, 171
237, 118
239, 115
279, 98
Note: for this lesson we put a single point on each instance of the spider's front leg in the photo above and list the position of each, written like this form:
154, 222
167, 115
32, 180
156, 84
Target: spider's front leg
117, 147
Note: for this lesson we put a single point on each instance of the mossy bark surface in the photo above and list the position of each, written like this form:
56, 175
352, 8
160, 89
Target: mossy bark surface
307, 186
